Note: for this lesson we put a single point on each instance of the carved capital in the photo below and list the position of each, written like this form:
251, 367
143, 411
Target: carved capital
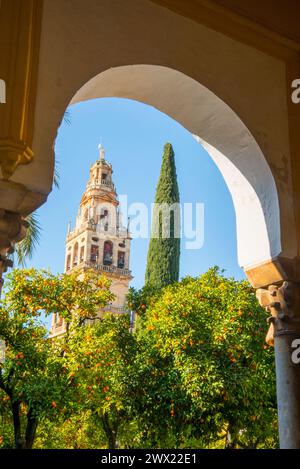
12, 229
283, 302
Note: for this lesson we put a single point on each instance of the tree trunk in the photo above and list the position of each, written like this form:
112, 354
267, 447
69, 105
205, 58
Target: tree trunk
112, 441
32, 423
110, 432
229, 442
253, 445
19, 441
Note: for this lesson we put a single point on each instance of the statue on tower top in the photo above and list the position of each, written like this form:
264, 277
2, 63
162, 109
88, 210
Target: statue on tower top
101, 152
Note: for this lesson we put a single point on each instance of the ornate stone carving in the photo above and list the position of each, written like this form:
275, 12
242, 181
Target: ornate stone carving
20, 28
12, 229
283, 302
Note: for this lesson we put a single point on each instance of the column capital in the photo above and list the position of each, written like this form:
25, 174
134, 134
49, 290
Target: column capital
282, 301
13, 228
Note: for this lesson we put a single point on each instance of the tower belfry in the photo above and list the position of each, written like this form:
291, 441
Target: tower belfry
99, 240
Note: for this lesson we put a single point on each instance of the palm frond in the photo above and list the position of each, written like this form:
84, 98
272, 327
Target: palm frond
67, 117
25, 248
56, 175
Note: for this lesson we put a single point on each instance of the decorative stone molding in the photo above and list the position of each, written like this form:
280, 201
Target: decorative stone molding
20, 26
283, 302
12, 229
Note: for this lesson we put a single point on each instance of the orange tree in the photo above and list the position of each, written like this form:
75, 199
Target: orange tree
204, 372
34, 379
100, 360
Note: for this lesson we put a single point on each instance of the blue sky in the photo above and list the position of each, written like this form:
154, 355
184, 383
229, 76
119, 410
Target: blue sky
133, 135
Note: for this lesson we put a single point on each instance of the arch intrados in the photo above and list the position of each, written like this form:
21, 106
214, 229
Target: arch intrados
221, 132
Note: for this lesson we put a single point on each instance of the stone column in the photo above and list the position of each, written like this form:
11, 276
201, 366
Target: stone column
282, 301
12, 229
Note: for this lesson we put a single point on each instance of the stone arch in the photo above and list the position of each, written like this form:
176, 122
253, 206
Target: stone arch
108, 251
246, 62
75, 254
222, 133
68, 261
184, 57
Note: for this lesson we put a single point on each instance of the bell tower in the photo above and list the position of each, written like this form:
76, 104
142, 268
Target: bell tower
99, 240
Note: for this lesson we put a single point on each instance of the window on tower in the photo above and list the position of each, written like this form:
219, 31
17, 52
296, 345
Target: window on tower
94, 253
108, 253
75, 254
121, 259
81, 257
68, 262
104, 213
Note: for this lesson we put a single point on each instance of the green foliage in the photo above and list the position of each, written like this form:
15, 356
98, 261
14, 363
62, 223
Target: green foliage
205, 371
164, 252
74, 298
195, 372
33, 376
100, 357
78, 430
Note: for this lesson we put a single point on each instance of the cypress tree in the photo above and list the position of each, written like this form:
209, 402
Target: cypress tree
164, 247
